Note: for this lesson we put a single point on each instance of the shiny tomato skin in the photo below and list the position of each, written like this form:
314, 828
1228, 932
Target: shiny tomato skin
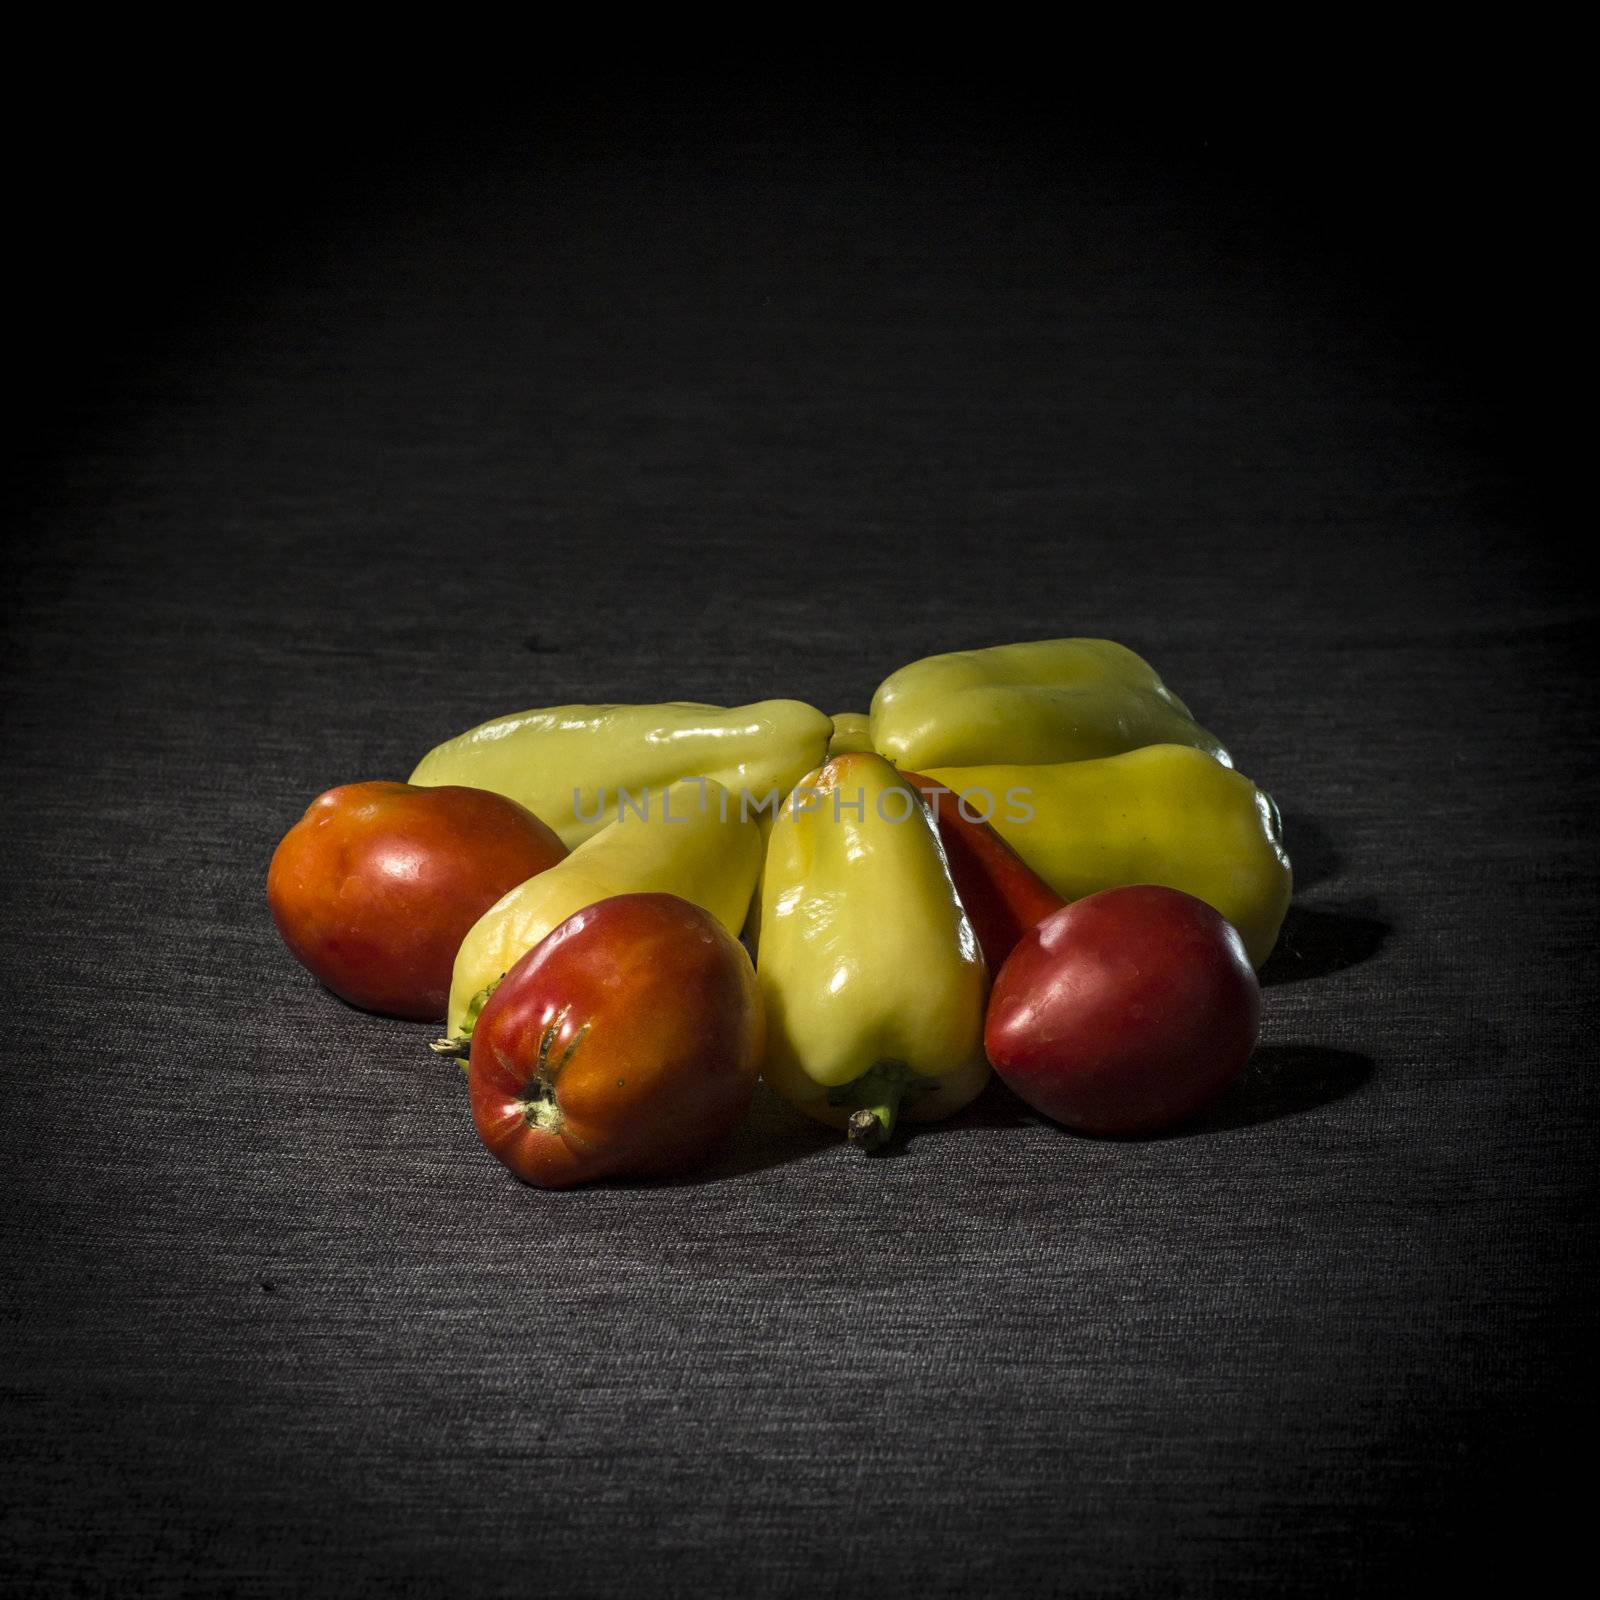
1125, 1012
374, 889
626, 1043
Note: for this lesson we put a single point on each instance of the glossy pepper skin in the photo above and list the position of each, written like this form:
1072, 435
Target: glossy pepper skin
1053, 700
627, 1043
568, 764
1166, 814
692, 841
873, 981
1004, 898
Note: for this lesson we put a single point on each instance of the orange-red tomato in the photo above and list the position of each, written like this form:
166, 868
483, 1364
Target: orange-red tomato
376, 886
626, 1043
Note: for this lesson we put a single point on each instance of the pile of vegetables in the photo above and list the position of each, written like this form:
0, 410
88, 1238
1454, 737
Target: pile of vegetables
1029, 858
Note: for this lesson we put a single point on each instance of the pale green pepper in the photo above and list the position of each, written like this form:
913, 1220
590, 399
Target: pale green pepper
572, 766
1054, 700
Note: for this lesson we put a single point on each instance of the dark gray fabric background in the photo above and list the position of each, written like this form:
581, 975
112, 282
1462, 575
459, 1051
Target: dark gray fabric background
640, 410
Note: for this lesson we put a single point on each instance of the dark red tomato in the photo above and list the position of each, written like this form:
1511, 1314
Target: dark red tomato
376, 886
624, 1044
1125, 1012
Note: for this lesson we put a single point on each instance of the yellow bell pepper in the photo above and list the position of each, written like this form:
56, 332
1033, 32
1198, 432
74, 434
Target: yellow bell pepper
690, 840
1164, 814
1055, 700
571, 765
873, 980
852, 733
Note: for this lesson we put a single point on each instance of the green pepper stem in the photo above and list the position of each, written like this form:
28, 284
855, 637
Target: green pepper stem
460, 1044
876, 1097
866, 1129
476, 1004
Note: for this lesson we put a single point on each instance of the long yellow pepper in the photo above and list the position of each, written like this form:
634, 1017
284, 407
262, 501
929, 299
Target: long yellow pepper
1165, 814
1053, 700
872, 977
572, 765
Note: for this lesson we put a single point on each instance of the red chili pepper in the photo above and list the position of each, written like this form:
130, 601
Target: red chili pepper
1004, 898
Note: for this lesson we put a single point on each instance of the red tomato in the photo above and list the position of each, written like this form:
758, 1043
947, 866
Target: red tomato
625, 1043
1125, 1012
376, 886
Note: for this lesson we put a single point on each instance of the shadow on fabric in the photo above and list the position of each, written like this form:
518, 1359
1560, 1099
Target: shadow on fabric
1282, 1080
1316, 941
